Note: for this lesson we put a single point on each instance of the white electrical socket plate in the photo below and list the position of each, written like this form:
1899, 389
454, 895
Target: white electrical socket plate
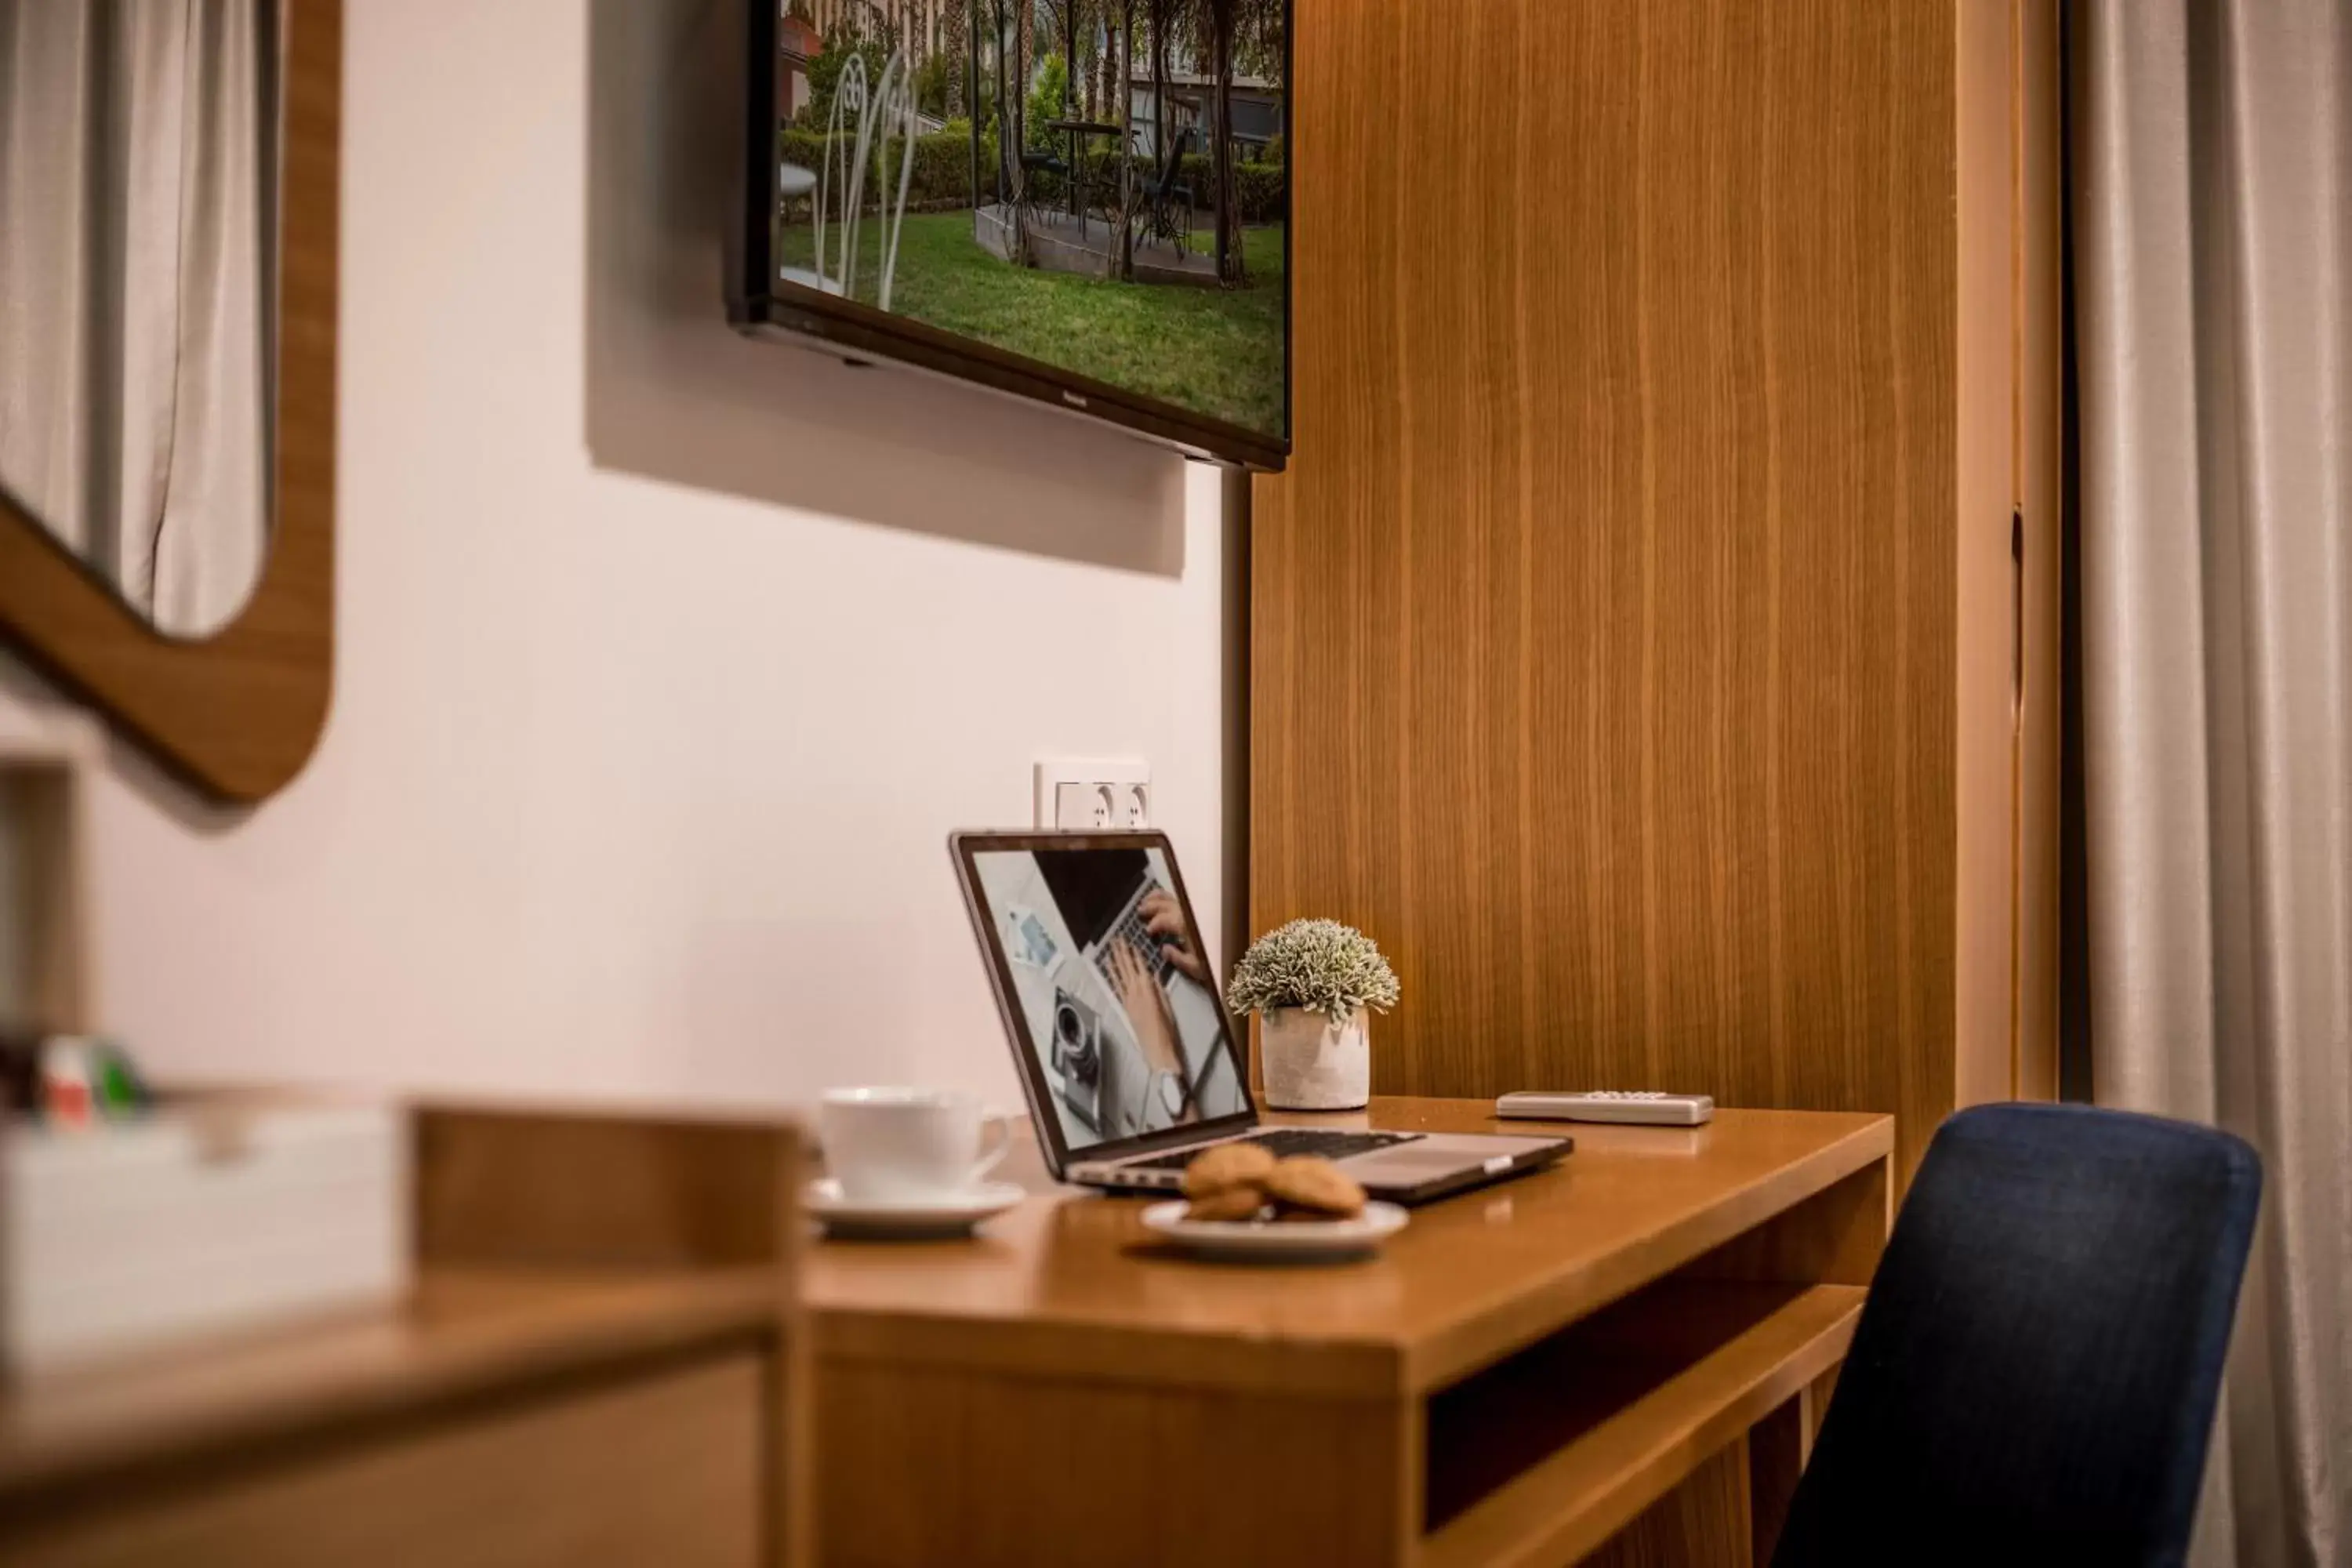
1093, 792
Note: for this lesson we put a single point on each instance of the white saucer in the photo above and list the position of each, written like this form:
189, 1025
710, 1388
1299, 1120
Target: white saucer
1277, 1242
947, 1215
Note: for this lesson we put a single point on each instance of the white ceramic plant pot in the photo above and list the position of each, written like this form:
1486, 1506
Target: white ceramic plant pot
1314, 1062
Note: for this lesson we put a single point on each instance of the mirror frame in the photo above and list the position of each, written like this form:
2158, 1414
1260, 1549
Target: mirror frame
237, 713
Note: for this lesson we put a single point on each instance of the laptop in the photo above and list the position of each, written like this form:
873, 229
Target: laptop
1129, 1061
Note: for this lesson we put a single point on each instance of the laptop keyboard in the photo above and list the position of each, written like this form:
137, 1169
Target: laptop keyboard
1130, 930
1284, 1142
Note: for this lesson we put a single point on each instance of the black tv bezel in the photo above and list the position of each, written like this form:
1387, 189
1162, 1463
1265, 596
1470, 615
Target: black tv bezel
760, 305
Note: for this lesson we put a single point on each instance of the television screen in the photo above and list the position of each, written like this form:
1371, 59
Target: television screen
1080, 201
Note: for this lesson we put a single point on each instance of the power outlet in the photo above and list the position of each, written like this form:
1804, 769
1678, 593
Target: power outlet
1093, 793
1088, 805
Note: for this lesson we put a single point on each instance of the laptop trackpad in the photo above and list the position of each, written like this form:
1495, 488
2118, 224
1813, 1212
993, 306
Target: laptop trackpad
1437, 1156
1409, 1164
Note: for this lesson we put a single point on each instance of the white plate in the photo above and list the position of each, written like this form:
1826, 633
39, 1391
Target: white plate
1277, 1242
903, 1219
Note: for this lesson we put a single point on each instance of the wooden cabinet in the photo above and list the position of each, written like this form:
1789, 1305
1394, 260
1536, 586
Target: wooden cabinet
599, 1364
662, 1468
1638, 648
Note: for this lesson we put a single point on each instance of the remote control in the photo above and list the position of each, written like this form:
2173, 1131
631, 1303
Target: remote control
1645, 1107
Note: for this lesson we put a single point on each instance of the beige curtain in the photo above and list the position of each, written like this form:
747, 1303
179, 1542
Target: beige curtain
137, 190
2212, 167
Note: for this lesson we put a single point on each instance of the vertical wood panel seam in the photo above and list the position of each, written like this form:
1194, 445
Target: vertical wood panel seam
2017, 221
1905, 980
1411, 929
1647, 737
1526, 718
1777, 960
1723, 1022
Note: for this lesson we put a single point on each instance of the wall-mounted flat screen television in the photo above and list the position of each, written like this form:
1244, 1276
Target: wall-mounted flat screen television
1082, 202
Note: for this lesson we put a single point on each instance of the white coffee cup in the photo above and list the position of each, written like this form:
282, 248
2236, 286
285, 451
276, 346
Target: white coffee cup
886, 1144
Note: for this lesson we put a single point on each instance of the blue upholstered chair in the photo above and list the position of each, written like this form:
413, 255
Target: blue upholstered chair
2035, 1375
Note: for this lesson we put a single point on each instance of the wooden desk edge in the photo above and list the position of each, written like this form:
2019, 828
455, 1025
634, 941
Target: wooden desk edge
189, 1403
1337, 1368
1143, 1355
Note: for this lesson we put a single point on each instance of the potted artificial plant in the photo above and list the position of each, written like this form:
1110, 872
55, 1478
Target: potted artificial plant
1312, 983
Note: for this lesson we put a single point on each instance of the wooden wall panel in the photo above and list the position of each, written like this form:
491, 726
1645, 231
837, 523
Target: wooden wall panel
1603, 625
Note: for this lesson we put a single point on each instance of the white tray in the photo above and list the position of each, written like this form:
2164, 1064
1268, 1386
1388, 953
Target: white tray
192, 1221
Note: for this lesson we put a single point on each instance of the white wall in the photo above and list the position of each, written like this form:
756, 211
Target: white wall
667, 659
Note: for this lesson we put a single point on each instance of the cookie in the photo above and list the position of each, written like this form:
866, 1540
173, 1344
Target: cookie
1226, 1166
1237, 1203
1311, 1182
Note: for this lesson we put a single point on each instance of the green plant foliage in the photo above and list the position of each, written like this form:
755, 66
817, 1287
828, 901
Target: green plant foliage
1049, 94
1216, 351
1261, 191
942, 166
942, 171
1321, 965
932, 82
824, 74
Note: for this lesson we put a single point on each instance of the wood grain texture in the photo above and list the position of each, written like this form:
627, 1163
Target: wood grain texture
662, 1470
1778, 1448
609, 1190
928, 1465
1834, 1237
1605, 624
235, 714
1703, 1523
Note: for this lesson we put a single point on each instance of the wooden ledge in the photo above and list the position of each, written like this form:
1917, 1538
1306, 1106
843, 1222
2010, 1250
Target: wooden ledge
1567, 1503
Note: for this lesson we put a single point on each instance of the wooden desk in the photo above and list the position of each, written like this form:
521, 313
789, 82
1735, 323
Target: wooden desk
1630, 1346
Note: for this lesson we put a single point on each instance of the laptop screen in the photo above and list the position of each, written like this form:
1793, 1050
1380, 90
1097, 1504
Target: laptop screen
1103, 976
1093, 888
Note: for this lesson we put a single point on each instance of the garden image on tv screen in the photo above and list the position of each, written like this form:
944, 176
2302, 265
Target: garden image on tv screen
1096, 184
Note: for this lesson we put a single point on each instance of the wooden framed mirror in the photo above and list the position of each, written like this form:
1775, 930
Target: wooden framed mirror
168, 251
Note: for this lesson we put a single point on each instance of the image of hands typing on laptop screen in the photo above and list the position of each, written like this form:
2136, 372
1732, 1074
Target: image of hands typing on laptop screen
1113, 988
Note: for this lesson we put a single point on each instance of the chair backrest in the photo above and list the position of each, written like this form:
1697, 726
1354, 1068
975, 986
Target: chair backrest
1175, 164
2034, 1374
